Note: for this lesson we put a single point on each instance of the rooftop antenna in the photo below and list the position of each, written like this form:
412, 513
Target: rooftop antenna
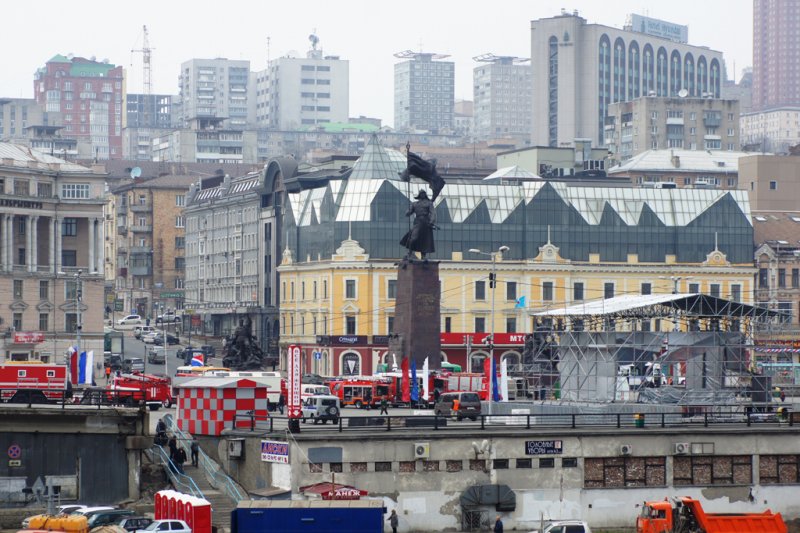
314, 39
267, 50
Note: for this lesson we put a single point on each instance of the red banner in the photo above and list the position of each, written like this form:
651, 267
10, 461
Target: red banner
28, 337
500, 339
295, 373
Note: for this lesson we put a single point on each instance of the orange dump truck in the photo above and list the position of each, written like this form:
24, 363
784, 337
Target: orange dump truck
685, 515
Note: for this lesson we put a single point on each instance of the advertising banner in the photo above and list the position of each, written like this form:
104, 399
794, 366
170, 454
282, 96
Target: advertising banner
295, 375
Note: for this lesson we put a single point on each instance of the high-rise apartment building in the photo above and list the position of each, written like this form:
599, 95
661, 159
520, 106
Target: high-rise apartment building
580, 69
776, 53
151, 111
90, 95
24, 121
502, 92
424, 92
216, 88
652, 123
298, 92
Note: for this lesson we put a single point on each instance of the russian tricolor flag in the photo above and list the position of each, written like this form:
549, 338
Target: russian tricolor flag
197, 360
85, 373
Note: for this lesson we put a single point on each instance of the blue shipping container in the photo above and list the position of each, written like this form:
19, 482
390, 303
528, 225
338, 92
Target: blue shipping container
292, 516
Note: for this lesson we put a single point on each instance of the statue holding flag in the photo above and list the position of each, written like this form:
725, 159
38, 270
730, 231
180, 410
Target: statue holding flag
420, 237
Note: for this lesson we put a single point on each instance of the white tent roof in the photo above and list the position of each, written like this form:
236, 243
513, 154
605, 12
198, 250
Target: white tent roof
617, 304
511, 173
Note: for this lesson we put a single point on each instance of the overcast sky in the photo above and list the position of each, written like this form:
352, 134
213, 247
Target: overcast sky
365, 32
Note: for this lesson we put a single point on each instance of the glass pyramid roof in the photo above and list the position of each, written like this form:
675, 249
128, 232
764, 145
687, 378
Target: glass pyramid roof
378, 163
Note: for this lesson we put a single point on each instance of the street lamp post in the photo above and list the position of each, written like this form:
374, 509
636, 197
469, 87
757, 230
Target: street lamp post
493, 286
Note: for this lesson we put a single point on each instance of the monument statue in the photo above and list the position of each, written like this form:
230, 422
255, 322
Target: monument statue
420, 237
241, 350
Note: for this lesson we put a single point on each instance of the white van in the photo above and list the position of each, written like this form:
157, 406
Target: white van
306, 391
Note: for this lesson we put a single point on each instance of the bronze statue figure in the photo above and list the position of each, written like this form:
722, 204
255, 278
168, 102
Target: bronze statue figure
241, 350
420, 237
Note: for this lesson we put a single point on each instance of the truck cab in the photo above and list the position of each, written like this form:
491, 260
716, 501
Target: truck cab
656, 517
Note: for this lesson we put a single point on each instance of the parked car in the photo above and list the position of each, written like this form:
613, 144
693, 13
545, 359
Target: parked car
156, 356
208, 350
168, 317
181, 352
134, 364
150, 338
130, 319
103, 518
140, 331
190, 353
171, 340
174, 526
132, 523
70, 508
89, 511
565, 526
114, 361
322, 407
458, 404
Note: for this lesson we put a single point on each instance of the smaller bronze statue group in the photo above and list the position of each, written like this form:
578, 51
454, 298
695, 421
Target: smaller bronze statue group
241, 350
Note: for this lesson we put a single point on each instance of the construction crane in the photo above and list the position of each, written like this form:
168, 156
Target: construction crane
146, 51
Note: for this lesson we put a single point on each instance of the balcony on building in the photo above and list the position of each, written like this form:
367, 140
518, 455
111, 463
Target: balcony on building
142, 229
712, 119
141, 208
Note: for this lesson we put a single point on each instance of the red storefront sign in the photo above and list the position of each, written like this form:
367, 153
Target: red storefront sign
334, 491
477, 339
28, 337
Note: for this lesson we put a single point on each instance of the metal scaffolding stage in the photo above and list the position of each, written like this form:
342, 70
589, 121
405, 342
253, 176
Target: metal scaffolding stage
685, 349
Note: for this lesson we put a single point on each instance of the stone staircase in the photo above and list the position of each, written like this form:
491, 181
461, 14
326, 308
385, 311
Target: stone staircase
221, 504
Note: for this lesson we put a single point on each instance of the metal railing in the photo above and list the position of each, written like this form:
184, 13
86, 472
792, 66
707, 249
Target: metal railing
213, 472
180, 481
763, 415
95, 397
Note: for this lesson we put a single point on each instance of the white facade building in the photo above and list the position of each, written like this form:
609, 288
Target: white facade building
772, 130
579, 69
300, 92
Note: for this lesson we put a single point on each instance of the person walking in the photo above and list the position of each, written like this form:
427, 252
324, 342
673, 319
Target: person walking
173, 452
281, 403
498, 525
393, 521
195, 448
108, 374
783, 396
384, 405
180, 458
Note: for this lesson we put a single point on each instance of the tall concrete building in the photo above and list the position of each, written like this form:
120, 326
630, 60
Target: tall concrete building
502, 92
653, 122
216, 88
424, 92
90, 95
24, 121
580, 69
51, 255
150, 243
776, 53
300, 92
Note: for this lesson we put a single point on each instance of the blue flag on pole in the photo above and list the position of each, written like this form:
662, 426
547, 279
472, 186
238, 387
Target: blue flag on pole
520, 303
414, 382
495, 389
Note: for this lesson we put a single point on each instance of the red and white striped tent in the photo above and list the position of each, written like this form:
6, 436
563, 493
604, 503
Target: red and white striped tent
207, 405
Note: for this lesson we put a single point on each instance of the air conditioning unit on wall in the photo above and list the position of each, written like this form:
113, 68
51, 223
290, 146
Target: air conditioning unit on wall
681, 448
422, 450
626, 449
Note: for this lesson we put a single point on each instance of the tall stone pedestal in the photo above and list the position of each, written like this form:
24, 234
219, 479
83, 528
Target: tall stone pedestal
416, 314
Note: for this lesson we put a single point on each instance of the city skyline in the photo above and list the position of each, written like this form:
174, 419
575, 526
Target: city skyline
368, 44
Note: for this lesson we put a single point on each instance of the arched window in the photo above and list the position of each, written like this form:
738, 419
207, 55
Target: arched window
619, 70
662, 68
688, 73
552, 93
702, 76
634, 71
604, 84
648, 70
715, 81
674, 73
476, 361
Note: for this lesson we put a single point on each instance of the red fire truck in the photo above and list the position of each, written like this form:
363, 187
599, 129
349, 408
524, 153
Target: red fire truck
33, 382
363, 391
131, 390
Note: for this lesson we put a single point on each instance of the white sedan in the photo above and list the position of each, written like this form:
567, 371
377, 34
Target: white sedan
150, 338
173, 526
